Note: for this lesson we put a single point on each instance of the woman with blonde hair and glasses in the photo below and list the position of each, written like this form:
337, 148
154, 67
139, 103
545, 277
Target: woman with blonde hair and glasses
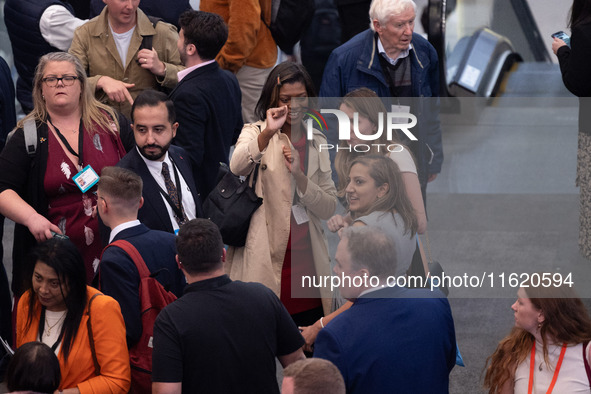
47, 188
548, 349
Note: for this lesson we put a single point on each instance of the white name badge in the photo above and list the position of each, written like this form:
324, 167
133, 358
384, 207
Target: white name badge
299, 214
400, 109
86, 178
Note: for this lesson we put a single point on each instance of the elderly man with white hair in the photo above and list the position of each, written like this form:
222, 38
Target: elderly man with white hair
392, 60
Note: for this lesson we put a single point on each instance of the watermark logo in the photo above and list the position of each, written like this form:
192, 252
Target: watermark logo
394, 121
317, 117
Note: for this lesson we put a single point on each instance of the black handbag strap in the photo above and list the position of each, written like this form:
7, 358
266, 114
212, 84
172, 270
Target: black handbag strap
254, 176
97, 367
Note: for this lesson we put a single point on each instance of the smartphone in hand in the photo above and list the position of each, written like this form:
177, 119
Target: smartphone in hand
563, 36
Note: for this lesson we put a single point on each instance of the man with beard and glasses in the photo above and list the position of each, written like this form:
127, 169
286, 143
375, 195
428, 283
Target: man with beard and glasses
170, 195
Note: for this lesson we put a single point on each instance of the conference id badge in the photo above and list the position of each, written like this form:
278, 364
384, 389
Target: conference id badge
299, 214
400, 109
86, 178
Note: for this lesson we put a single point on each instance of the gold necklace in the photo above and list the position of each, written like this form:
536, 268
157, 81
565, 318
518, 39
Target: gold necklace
48, 333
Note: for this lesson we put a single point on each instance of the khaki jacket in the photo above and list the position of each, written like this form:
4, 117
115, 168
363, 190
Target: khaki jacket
261, 259
94, 45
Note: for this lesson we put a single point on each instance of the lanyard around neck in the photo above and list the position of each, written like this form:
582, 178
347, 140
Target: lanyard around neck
532, 363
67, 144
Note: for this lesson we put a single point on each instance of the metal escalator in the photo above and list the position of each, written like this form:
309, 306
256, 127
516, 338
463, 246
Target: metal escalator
490, 48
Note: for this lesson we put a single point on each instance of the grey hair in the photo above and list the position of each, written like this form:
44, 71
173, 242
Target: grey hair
370, 247
384, 9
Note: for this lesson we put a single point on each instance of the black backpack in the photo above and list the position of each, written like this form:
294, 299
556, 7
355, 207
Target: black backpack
322, 36
292, 19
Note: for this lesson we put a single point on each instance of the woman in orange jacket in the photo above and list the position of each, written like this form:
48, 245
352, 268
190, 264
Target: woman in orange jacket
59, 310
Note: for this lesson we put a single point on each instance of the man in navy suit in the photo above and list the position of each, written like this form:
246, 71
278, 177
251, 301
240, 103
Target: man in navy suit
170, 195
206, 99
392, 339
119, 195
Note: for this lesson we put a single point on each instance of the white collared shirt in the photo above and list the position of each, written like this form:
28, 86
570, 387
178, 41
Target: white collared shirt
155, 168
393, 62
121, 227
183, 73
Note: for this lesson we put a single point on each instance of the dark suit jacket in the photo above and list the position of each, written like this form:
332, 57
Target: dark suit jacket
119, 278
154, 213
208, 109
407, 338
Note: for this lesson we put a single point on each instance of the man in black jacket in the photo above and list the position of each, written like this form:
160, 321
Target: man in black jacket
206, 99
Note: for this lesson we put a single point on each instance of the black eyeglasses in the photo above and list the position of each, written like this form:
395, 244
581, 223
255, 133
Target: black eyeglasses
67, 80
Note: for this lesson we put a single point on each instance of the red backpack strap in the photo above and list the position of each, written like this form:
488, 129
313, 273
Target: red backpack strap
587, 368
135, 256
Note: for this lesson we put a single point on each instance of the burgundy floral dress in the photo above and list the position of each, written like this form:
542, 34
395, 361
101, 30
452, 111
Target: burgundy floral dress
69, 208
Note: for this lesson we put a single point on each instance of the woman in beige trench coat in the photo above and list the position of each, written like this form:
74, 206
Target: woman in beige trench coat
296, 195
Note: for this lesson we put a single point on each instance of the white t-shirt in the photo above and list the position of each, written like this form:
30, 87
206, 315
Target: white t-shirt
404, 160
122, 43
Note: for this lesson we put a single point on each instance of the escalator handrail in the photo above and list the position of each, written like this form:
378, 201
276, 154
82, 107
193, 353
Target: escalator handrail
528, 24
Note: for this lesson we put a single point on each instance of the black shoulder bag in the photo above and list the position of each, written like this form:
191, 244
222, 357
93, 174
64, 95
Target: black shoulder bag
231, 204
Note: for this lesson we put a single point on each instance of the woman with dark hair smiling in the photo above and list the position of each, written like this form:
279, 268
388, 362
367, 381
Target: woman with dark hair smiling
59, 309
294, 180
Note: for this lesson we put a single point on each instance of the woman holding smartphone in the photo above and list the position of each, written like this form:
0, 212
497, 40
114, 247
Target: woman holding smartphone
575, 63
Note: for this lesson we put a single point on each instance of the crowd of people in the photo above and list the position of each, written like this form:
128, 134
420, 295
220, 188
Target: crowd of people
128, 121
